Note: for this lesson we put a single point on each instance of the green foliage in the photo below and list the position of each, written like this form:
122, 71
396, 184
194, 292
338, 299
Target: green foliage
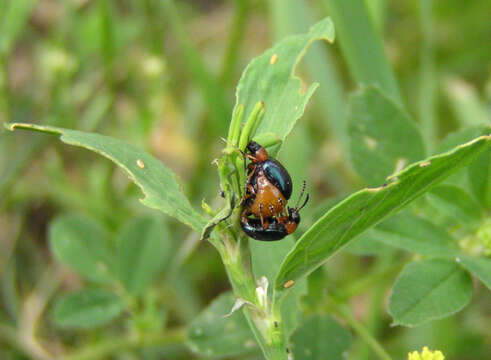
428, 290
214, 333
269, 78
167, 87
457, 204
87, 309
143, 248
82, 244
310, 342
415, 234
368, 207
362, 47
157, 182
375, 121
480, 179
480, 267
13, 16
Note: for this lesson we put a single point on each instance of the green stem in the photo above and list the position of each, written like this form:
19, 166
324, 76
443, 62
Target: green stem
344, 312
4, 92
367, 282
211, 90
234, 41
427, 78
107, 348
9, 335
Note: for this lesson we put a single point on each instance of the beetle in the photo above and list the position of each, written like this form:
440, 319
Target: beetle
270, 167
277, 228
268, 188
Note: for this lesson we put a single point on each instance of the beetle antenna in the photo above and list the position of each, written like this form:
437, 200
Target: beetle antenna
301, 194
304, 203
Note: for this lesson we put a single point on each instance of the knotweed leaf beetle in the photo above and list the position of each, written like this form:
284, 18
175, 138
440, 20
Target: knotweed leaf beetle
268, 188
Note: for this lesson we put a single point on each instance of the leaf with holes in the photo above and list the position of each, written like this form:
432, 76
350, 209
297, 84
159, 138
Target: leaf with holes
368, 207
429, 290
157, 182
270, 78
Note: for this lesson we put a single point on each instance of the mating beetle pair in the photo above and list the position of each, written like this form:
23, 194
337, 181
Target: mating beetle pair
268, 188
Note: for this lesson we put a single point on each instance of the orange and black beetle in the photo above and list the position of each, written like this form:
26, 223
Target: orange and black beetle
268, 188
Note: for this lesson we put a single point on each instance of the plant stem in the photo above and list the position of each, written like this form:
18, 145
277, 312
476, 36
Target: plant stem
107, 348
4, 92
234, 40
427, 78
212, 92
367, 282
344, 312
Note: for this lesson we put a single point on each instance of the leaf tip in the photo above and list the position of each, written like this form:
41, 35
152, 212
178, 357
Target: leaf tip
10, 126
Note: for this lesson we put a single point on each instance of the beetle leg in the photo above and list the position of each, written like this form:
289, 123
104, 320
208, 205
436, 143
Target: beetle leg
264, 223
250, 174
250, 157
250, 192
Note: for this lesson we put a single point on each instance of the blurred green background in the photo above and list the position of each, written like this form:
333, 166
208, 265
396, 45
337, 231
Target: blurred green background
162, 75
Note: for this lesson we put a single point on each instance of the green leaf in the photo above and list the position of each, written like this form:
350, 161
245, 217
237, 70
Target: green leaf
144, 246
383, 137
362, 46
212, 334
459, 137
320, 337
479, 266
82, 244
367, 243
412, 233
454, 139
13, 17
87, 308
480, 179
428, 290
465, 101
456, 204
367, 207
157, 182
270, 78
295, 17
